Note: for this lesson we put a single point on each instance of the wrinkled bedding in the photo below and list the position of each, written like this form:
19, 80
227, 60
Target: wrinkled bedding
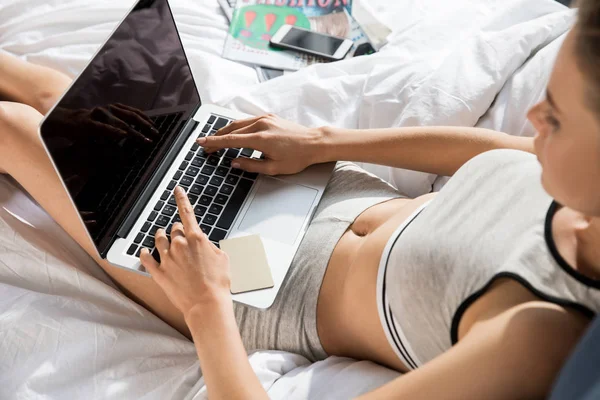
66, 332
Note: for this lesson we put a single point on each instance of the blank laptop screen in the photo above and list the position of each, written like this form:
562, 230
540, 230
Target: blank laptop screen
112, 127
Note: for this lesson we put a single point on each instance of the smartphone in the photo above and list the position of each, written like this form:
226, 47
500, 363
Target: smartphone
306, 41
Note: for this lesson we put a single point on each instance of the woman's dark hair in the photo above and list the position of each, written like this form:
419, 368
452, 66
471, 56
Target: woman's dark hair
587, 49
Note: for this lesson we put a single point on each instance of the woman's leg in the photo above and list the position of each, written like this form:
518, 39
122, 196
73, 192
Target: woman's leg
23, 157
31, 84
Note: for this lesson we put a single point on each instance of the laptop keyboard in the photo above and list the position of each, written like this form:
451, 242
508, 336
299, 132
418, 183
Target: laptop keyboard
216, 191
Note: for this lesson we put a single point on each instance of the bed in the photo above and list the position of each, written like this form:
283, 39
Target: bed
66, 332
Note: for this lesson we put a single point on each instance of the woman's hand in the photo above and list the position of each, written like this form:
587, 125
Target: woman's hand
288, 148
192, 272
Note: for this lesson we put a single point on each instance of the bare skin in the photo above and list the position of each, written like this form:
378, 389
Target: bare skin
483, 350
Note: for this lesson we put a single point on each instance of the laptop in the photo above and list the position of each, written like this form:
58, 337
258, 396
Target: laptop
123, 136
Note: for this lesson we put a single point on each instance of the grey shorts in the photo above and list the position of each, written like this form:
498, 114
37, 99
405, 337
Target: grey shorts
290, 324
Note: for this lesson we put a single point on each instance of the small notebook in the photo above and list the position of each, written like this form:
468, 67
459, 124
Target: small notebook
248, 262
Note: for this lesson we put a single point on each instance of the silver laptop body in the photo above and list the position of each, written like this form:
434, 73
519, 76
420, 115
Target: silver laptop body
124, 134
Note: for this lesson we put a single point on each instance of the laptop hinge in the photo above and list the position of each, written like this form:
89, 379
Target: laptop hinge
156, 179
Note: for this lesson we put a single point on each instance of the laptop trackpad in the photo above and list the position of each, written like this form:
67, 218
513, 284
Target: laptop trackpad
278, 210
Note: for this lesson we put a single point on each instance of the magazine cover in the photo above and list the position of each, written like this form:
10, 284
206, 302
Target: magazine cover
254, 22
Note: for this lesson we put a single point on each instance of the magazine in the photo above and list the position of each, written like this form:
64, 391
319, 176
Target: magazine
254, 22
263, 73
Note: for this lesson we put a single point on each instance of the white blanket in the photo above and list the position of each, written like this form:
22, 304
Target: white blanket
66, 332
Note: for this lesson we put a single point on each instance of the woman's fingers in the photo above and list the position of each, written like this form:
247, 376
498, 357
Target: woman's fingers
243, 138
266, 167
161, 241
235, 125
149, 262
177, 231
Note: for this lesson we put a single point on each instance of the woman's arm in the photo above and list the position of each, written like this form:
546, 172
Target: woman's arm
223, 359
195, 276
437, 150
289, 147
513, 355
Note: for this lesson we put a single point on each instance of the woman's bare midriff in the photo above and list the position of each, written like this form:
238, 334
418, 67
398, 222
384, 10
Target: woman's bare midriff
347, 317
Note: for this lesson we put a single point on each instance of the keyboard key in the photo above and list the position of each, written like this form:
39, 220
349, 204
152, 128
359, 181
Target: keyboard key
216, 180
163, 220
146, 226
211, 120
250, 175
231, 179
232, 153
159, 206
168, 230
165, 195
205, 229
215, 209
217, 234
221, 199
169, 210
192, 171
236, 171
148, 242
202, 180
247, 152
205, 200
172, 201
208, 170
138, 239
137, 253
198, 161
235, 203
189, 156
177, 175
199, 210
193, 198
195, 146
210, 190
177, 218
172, 185
226, 162
132, 249
152, 216
226, 189
212, 160
153, 230
221, 122
183, 165
196, 189
206, 128
186, 181
209, 219
222, 171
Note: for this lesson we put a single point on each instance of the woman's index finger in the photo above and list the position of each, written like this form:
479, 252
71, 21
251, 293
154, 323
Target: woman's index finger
186, 211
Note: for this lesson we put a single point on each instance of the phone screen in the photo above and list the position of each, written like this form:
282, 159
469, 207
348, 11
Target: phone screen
312, 41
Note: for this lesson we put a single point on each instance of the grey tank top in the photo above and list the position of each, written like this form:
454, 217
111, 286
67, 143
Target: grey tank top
491, 220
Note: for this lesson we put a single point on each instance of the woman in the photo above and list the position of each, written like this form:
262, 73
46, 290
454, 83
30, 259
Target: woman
479, 291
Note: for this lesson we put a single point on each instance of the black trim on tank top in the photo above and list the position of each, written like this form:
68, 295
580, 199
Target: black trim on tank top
564, 265
475, 296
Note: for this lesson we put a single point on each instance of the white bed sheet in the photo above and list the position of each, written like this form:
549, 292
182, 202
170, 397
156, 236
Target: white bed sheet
66, 332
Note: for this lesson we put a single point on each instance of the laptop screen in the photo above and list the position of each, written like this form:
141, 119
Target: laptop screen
111, 129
